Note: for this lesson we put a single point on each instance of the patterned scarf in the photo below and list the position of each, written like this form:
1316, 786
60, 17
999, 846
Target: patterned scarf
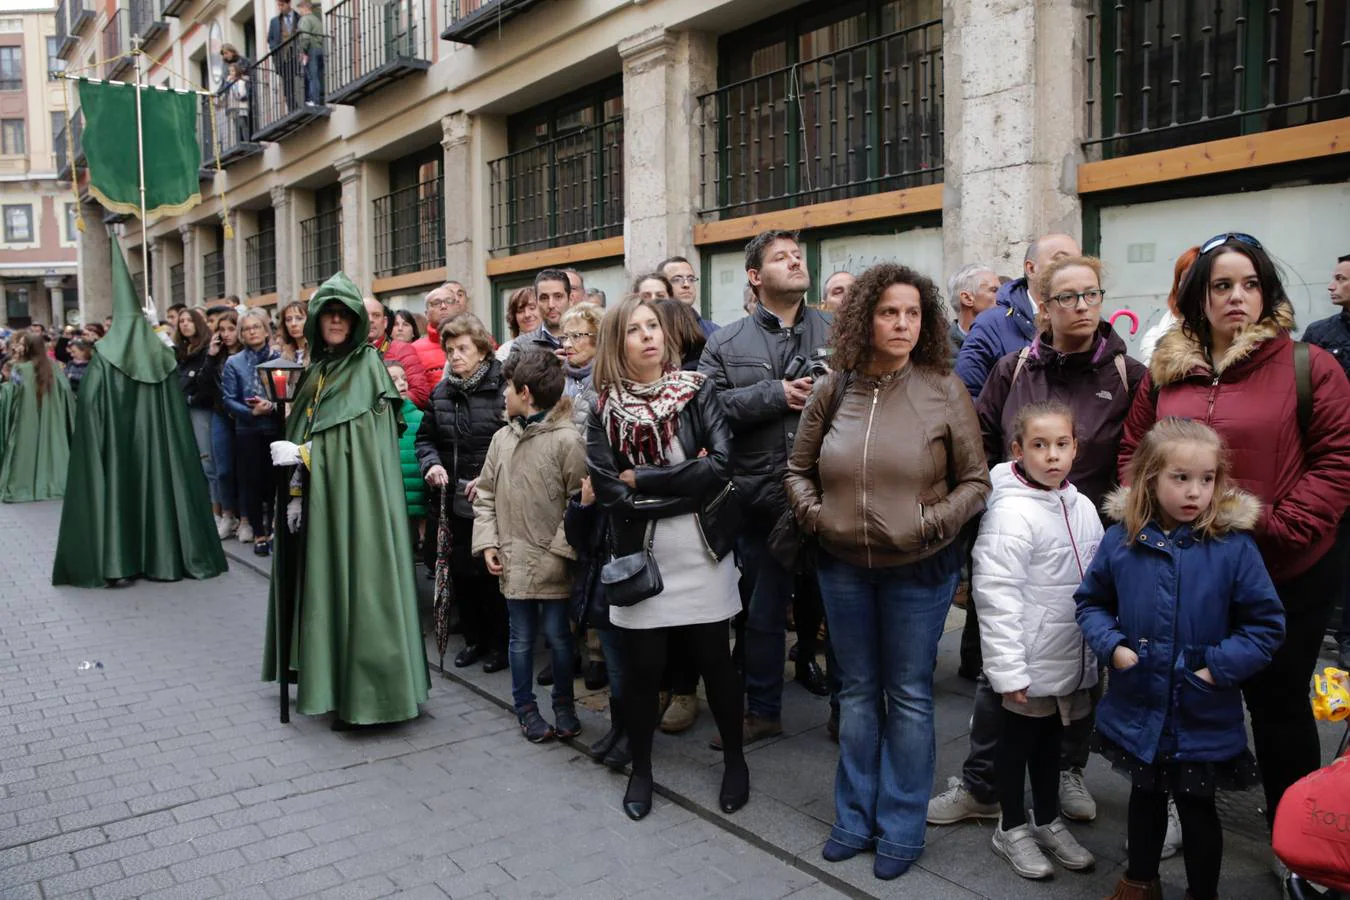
470, 384
642, 419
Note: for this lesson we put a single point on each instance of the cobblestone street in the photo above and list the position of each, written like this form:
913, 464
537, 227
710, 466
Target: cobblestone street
141, 757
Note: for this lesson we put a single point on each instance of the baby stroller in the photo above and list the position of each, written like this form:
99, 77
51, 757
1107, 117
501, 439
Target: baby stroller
1312, 825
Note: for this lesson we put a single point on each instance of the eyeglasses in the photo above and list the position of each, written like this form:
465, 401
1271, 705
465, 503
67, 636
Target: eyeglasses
1069, 299
1220, 239
577, 337
437, 304
684, 279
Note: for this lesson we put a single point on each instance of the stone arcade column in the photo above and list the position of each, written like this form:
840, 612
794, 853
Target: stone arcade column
232, 250
457, 169
56, 294
288, 246
663, 74
1013, 120
192, 266
95, 264
159, 276
357, 250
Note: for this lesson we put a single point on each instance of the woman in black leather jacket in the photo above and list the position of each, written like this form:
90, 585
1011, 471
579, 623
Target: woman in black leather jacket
466, 410
658, 450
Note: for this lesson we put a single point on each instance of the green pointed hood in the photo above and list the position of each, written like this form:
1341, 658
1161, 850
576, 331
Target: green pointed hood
341, 290
131, 345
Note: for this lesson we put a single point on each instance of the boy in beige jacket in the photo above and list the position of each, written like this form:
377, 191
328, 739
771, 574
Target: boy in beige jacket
535, 462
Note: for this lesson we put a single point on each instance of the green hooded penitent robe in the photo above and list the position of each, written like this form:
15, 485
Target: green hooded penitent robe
37, 438
137, 503
356, 644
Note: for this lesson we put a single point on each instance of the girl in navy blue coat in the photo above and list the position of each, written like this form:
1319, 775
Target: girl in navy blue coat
1178, 603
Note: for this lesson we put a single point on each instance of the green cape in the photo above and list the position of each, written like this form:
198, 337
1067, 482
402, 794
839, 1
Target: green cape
7, 391
356, 643
137, 501
37, 439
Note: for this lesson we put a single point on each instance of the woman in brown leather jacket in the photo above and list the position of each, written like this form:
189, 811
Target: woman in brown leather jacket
887, 467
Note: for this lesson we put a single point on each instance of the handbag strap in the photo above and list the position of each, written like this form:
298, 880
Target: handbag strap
648, 539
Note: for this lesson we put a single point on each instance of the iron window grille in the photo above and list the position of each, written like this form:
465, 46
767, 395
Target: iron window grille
260, 262
116, 42
320, 247
370, 43
410, 229
213, 274
11, 68
177, 284
1166, 74
563, 191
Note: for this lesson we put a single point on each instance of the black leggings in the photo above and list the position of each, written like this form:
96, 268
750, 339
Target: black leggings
808, 610
1201, 839
253, 467
1028, 744
645, 651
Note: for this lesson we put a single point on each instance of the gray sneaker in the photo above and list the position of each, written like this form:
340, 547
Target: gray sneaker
1074, 800
1019, 848
1172, 840
1056, 840
956, 804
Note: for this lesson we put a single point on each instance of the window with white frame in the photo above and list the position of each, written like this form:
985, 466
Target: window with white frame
18, 223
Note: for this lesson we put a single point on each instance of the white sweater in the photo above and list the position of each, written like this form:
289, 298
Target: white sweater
1033, 549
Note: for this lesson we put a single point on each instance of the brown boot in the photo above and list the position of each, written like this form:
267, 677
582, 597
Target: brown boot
1137, 890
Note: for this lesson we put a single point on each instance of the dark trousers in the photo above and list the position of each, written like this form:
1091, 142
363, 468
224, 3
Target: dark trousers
1028, 745
1342, 550
314, 77
253, 465
645, 651
808, 610
482, 612
1201, 838
1284, 732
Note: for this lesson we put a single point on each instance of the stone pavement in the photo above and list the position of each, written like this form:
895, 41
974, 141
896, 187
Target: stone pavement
141, 757
165, 773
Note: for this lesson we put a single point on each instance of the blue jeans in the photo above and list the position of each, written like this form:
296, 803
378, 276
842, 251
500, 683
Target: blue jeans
765, 626
884, 625
201, 431
222, 454
314, 77
528, 617
611, 647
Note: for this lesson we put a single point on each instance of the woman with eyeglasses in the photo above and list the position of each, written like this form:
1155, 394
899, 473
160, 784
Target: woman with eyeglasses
580, 325
1283, 411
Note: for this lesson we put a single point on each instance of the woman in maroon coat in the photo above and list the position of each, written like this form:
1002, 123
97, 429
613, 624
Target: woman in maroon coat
1231, 365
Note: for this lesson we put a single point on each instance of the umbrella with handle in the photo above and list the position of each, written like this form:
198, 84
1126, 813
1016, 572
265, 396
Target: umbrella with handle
444, 594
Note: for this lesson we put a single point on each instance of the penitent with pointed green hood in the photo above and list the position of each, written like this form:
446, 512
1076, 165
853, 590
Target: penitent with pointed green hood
137, 503
343, 581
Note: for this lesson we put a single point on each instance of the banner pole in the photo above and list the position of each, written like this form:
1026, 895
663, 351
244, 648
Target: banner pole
148, 304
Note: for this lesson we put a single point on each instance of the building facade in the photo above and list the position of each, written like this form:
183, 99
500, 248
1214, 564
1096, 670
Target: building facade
481, 140
37, 212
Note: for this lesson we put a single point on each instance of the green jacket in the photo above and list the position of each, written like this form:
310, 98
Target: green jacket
311, 32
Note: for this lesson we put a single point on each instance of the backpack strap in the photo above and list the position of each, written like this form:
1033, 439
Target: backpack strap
839, 384
1124, 375
1303, 391
1023, 355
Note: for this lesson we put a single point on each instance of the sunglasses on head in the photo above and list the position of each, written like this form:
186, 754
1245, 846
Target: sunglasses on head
1220, 239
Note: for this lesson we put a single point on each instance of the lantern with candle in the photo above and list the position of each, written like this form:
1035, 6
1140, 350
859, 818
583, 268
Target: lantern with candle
279, 379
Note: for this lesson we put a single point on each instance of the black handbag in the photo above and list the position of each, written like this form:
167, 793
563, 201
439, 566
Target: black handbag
628, 580
460, 504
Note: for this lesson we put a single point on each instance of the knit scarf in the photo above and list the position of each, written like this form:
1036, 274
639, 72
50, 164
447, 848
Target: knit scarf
642, 419
470, 384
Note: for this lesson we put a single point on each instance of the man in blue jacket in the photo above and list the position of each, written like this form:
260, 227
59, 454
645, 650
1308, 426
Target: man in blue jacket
1011, 324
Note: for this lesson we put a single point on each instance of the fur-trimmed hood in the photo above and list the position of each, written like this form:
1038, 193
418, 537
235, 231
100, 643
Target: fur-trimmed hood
1179, 353
1238, 510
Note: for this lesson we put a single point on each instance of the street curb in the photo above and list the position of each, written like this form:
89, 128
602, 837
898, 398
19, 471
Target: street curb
248, 561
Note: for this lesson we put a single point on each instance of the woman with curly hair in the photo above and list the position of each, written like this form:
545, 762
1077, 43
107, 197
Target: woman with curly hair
887, 467
522, 317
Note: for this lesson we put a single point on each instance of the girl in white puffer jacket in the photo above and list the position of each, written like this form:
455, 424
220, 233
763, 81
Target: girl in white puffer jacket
1036, 540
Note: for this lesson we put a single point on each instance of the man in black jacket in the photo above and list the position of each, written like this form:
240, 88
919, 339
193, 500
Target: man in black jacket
760, 366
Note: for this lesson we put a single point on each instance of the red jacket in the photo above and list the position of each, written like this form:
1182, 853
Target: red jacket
1249, 398
433, 358
401, 352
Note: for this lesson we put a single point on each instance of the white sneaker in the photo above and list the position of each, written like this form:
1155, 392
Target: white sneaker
227, 527
1074, 800
1171, 843
1019, 848
245, 533
956, 804
1063, 846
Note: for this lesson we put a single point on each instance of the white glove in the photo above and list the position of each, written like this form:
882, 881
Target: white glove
295, 512
284, 453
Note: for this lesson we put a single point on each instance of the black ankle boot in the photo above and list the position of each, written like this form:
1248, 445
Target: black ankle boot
601, 748
735, 791
619, 755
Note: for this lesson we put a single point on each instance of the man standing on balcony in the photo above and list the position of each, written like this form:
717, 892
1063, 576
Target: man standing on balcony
284, 25
311, 51
680, 272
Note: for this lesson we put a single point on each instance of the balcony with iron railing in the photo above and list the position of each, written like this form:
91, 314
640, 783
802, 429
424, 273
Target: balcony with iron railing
260, 263
320, 247
224, 127
117, 43
213, 275
81, 14
174, 8
1163, 75
468, 20
859, 121
410, 229
177, 284
147, 19
282, 103
564, 191
373, 43
59, 148
64, 39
